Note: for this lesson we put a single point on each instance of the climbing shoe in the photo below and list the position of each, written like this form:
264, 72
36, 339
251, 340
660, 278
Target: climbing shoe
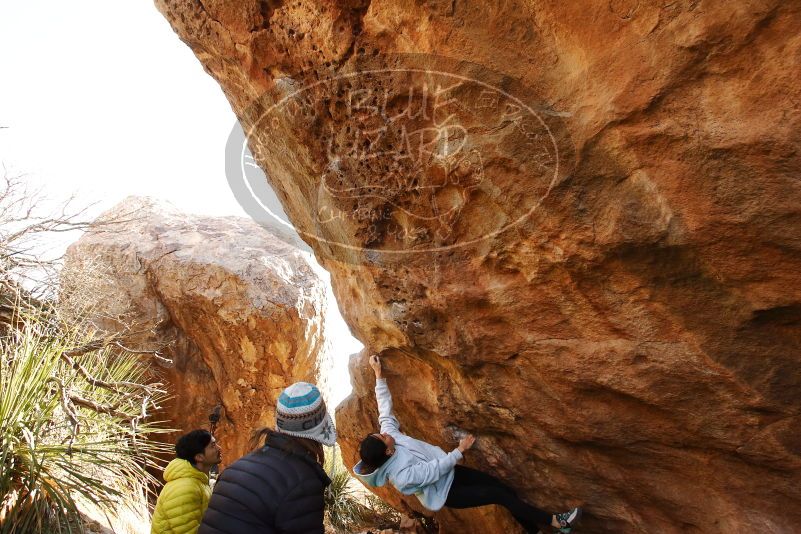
568, 519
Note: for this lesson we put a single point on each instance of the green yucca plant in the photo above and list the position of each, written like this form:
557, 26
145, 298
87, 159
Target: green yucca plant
74, 426
346, 510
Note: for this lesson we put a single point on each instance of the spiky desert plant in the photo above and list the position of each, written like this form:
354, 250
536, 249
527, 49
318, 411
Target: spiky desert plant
344, 512
348, 510
74, 425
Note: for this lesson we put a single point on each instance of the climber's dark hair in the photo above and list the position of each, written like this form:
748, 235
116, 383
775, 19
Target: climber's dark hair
191, 444
373, 452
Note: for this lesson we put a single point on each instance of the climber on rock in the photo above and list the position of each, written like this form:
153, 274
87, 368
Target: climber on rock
418, 468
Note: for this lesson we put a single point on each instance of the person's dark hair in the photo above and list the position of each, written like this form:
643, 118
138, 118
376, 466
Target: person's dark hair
191, 444
373, 452
261, 436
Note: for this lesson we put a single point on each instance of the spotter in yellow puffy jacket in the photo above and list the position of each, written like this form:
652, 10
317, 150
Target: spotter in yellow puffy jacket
182, 501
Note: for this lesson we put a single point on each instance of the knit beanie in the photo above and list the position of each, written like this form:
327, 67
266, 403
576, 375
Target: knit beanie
301, 412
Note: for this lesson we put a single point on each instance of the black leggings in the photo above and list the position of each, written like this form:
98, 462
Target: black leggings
473, 488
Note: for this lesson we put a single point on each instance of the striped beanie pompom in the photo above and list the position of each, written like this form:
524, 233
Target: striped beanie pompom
301, 412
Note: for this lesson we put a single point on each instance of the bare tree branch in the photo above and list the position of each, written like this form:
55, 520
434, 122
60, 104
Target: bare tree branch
111, 386
115, 339
25, 225
155, 354
99, 408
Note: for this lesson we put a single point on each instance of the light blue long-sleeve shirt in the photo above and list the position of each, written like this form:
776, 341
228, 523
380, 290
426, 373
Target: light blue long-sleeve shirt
417, 468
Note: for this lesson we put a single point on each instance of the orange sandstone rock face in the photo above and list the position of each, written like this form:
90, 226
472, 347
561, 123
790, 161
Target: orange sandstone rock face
240, 312
577, 237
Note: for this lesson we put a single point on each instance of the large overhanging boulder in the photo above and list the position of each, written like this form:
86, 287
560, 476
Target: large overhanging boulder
577, 237
239, 312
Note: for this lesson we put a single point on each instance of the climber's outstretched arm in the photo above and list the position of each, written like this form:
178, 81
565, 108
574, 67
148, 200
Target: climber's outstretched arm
389, 423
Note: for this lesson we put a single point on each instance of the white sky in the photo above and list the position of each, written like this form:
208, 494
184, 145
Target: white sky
100, 97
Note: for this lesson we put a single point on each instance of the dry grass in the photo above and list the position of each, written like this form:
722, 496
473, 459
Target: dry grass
347, 507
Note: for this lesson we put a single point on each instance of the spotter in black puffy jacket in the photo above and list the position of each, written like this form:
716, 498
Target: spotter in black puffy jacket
276, 489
